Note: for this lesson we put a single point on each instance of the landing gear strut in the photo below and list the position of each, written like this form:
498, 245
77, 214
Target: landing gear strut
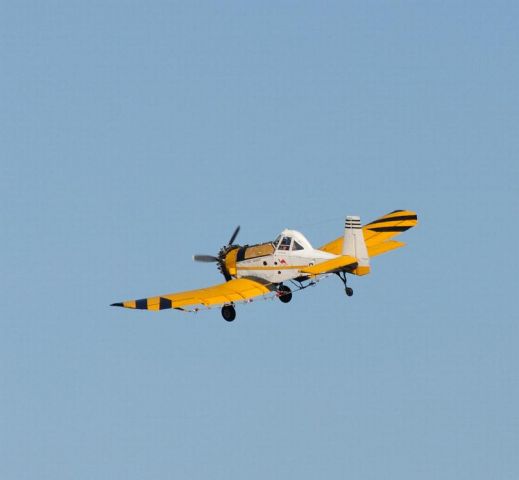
348, 290
284, 294
228, 313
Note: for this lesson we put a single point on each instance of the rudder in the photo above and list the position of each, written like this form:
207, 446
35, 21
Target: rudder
354, 245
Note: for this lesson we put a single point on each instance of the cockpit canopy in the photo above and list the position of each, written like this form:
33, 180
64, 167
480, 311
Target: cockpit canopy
291, 240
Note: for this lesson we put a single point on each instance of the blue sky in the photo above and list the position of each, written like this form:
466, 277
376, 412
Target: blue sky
135, 134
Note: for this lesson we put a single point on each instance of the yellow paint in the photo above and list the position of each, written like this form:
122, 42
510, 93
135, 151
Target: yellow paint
232, 291
230, 261
383, 247
361, 271
154, 303
330, 265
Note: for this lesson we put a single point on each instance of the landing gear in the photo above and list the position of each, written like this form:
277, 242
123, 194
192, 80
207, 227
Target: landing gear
284, 294
348, 290
228, 313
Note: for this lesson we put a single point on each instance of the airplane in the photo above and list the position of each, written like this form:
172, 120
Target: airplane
264, 269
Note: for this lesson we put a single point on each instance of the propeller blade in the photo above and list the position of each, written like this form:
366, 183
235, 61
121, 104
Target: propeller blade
205, 258
234, 235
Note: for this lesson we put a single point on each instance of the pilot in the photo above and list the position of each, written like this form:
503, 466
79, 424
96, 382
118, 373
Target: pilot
285, 243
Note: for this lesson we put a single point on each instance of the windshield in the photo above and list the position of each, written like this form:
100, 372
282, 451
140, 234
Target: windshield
297, 246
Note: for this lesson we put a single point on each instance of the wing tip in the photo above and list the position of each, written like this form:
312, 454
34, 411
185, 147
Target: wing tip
382, 224
117, 304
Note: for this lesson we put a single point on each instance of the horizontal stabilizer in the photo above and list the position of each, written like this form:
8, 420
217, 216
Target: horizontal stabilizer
384, 247
379, 233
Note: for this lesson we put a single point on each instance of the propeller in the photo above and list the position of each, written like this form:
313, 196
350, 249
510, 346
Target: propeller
220, 259
234, 235
205, 258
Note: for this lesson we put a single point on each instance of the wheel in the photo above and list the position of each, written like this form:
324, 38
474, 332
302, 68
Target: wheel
284, 293
228, 313
349, 291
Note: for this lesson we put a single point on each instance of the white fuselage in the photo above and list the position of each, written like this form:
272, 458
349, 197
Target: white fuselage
291, 252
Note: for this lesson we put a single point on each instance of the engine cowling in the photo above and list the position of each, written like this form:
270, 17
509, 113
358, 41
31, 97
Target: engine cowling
229, 263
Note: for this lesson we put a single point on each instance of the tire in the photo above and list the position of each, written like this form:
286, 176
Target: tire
228, 313
285, 294
349, 291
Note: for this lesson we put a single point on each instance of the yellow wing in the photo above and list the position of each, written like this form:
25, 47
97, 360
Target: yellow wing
378, 234
330, 266
231, 291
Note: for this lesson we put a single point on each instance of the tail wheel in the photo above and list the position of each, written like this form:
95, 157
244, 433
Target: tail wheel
228, 313
284, 294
